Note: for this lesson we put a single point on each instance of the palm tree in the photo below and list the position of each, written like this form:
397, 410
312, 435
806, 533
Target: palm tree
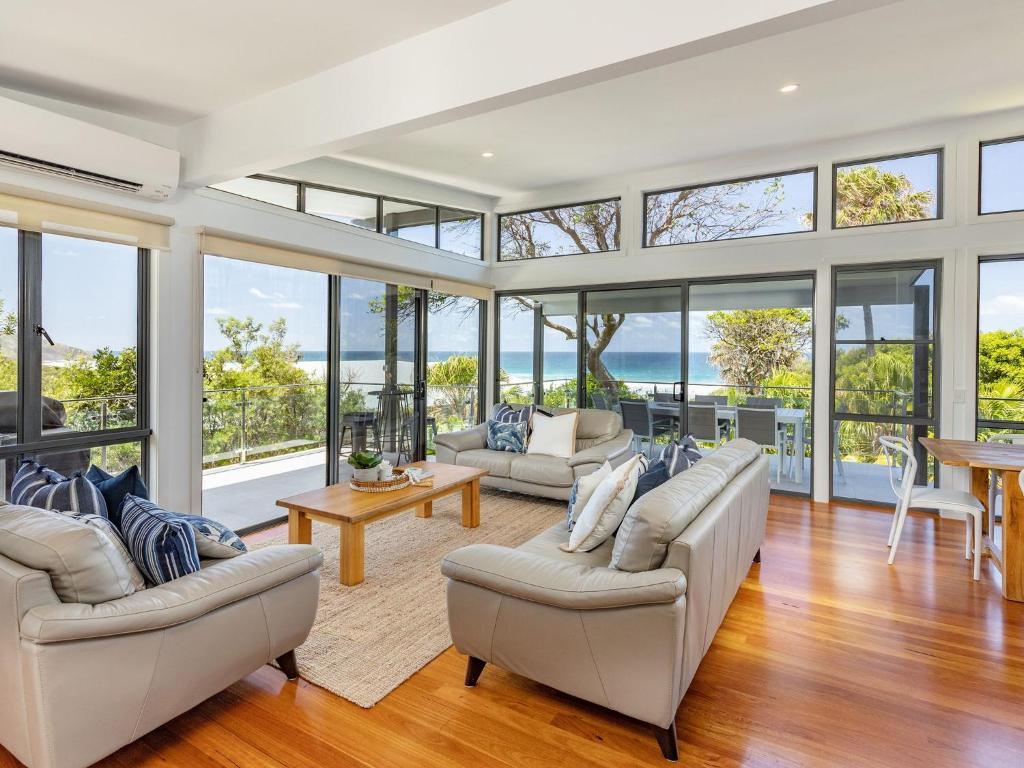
869, 195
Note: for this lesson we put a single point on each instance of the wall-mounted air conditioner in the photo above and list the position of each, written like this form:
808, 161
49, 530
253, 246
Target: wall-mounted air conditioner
37, 140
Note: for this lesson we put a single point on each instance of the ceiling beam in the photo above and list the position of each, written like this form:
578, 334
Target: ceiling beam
512, 53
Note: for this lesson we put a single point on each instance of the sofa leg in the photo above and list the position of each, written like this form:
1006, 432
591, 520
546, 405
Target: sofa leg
474, 667
757, 556
668, 742
289, 665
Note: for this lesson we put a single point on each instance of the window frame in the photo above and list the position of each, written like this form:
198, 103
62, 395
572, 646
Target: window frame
302, 186
725, 182
980, 423
500, 216
29, 438
933, 421
981, 172
940, 187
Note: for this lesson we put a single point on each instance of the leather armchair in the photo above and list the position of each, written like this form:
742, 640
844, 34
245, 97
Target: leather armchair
597, 626
78, 682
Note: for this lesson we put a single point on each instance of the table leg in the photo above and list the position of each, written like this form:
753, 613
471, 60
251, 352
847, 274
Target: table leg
471, 504
300, 528
350, 566
1013, 537
426, 509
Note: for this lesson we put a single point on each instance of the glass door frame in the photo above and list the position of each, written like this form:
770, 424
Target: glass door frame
980, 423
684, 367
935, 341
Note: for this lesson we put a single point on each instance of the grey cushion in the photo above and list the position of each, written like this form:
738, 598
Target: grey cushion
83, 563
498, 463
658, 517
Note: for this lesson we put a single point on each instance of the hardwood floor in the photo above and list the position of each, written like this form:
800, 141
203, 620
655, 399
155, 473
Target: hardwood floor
828, 657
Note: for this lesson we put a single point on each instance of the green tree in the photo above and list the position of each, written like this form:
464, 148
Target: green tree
869, 195
8, 365
751, 345
453, 384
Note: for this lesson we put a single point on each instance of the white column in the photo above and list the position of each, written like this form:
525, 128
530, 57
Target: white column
822, 439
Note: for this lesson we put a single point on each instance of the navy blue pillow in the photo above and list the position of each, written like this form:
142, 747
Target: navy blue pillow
36, 486
115, 487
680, 455
655, 475
507, 437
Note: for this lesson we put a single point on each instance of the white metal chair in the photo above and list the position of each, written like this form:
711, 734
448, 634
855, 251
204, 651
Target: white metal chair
910, 496
995, 489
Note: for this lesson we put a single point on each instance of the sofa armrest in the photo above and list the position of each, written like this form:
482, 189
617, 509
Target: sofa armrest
176, 602
559, 583
465, 439
609, 450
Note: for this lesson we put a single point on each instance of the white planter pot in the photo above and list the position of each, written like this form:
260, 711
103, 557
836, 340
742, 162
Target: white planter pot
365, 475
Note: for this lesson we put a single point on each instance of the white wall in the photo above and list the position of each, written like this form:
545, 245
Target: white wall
956, 240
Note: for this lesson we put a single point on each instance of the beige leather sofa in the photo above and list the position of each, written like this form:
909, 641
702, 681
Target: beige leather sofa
78, 682
631, 638
599, 437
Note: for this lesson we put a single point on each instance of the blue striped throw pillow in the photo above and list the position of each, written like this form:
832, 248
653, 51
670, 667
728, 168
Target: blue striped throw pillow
37, 486
162, 544
30, 477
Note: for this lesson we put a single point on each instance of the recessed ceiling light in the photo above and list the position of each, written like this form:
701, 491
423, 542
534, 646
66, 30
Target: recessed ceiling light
789, 87
486, 154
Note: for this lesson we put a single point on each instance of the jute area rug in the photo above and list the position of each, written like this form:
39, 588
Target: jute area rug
370, 638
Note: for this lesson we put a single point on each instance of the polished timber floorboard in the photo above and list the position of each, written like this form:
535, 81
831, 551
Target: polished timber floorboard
828, 657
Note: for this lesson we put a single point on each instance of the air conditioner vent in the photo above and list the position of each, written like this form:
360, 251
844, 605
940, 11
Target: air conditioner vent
43, 166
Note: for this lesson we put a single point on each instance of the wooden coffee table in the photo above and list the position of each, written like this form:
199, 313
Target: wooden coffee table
351, 510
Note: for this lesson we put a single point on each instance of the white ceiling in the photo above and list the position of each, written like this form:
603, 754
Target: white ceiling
170, 62
915, 61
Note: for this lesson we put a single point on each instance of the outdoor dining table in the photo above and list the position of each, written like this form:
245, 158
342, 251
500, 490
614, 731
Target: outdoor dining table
795, 416
983, 459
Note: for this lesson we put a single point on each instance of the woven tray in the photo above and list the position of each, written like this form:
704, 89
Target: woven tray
398, 481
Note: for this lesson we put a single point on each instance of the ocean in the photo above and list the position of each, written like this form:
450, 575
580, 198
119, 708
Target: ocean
652, 367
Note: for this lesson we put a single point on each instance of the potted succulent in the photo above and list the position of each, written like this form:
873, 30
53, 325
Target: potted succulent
364, 465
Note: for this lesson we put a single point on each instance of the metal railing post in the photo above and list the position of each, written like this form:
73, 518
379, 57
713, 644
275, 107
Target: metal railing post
103, 425
242, 448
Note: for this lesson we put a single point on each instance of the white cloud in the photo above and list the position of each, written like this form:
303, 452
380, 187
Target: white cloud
261, 295
1004, 304
216, 311
286, 305
642, 321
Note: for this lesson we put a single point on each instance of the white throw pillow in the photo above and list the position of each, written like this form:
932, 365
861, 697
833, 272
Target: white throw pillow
582, 490
607, 506
553, 435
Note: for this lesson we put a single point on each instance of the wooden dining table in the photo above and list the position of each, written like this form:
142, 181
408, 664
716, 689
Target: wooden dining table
983, 459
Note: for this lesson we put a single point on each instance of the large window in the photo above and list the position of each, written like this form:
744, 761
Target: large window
1002, 176
538, 345
884, 365
750, 358
447, 229
565, 231
1000, 346
454, 339
72, 352
887, 190
776, 204
264, 388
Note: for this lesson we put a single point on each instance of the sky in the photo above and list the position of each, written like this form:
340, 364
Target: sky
265, 293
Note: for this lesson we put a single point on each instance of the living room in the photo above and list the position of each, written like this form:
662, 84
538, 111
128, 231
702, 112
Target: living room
493, 383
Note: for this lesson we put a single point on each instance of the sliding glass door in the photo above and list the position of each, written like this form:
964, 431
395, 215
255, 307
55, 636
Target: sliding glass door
750, 363
884, 364
454, 365
747, 370
264, 388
